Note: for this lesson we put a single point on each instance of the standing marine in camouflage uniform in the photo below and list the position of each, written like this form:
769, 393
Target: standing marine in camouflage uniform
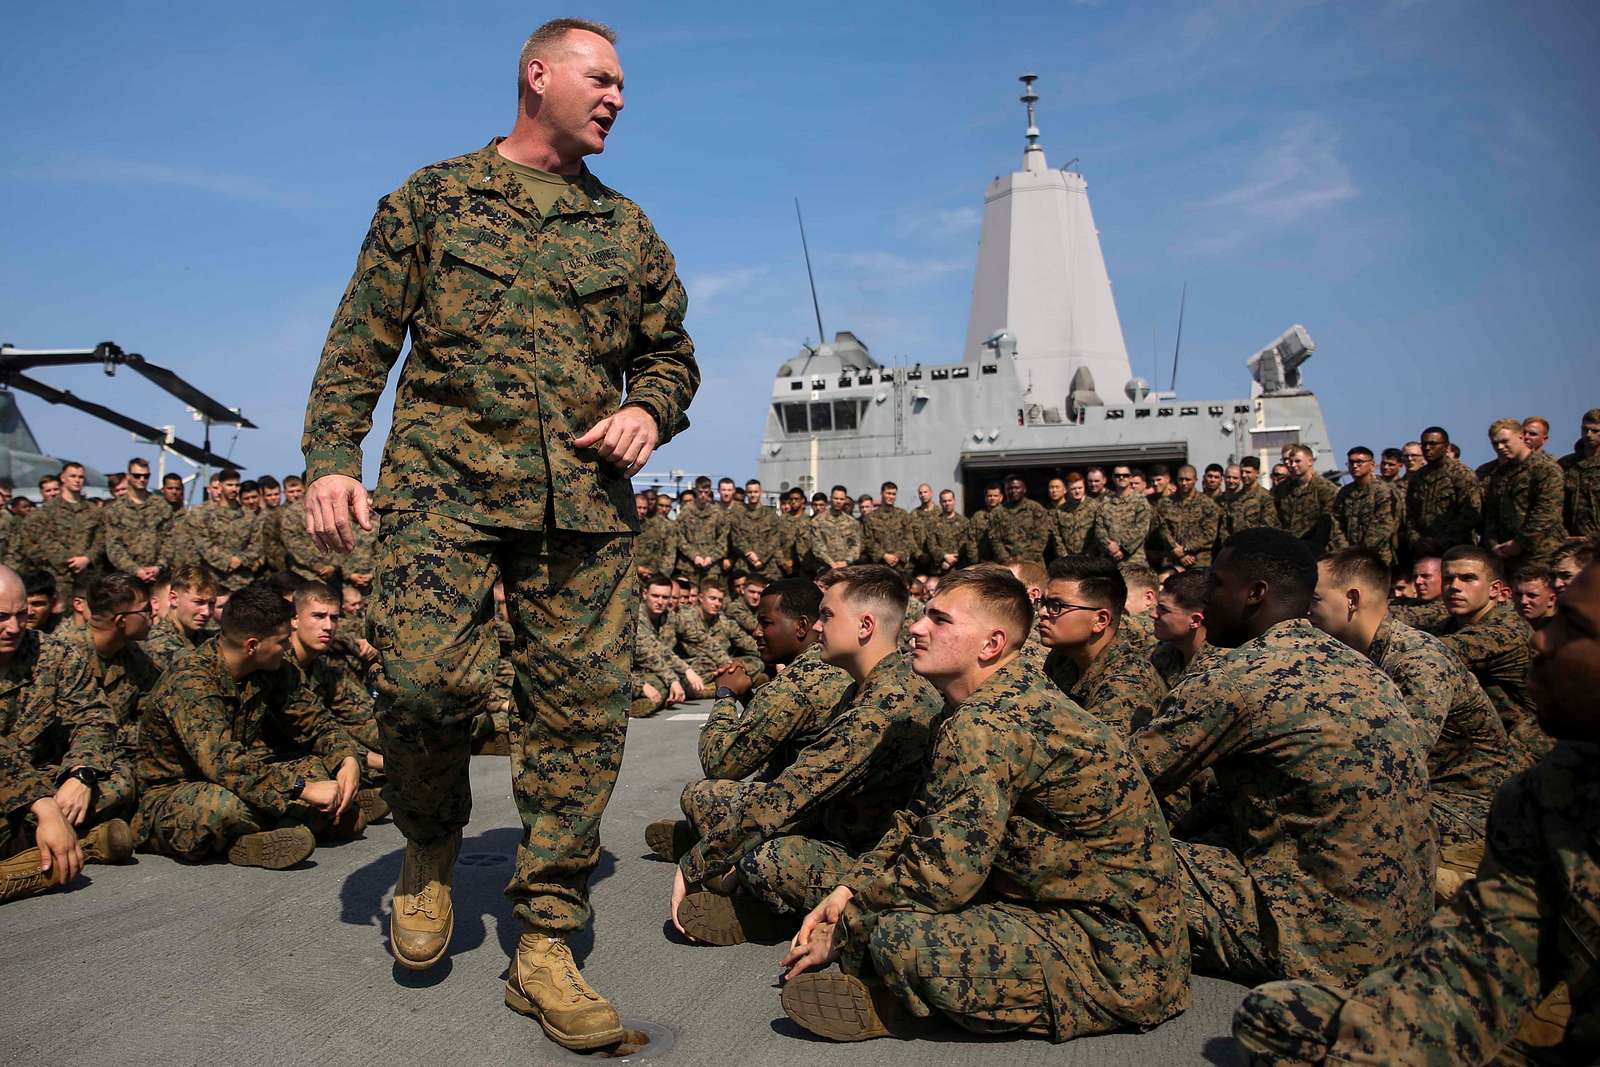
787, 841
1249, 505
1522, 500
1368, 512
1303, 502
1029, 887
655, 550
794, 534
945, 535
1528, 921
1188, 523
1020, 528
1092, 659
301, 553
1122, 521
227, 537
62, 772
1074, 519
702, 534
836, 536
889, 535
65, 535
1443, 500
1581, 473
754, 537
1321, 860
533, 296
978, 547
136, 526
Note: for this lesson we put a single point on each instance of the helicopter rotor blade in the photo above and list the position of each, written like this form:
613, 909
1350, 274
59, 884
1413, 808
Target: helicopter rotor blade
153, 434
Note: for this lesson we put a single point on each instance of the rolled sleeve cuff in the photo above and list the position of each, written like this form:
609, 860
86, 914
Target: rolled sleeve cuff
324, 461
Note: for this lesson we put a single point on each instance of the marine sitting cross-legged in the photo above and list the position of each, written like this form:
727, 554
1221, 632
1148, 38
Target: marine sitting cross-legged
1029, 887
236, 756
777, 847
1093, 657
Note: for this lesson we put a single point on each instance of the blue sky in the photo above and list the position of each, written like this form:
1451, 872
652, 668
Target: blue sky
1410, 180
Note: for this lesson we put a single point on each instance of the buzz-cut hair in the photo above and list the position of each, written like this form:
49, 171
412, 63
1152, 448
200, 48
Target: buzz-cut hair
1029, 572
1251, 461
138, 461
710, 581
1535, 572
194, 578
541, 40
888, 485
999, 593
293, 479
68, 464
658, 579
312, 592
1099, 581
1187, 588
257, 610
1592, 415
38, 583
1580, 552
1360, 567
839, 489
798, 598
1476, 554
227, 474
1360, 450
267, 481
1138, 577
116, 591
1277, 557
871, 583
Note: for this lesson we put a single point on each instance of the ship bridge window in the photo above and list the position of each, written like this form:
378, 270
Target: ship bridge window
939, 375
1114, 413
821, 416
1164, 413
958, 372
797, 385
1188, 411
991, 368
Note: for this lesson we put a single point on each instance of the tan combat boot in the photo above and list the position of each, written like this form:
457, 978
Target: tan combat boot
423, 918
546, 984
670, 839
841, 1007
273, 850
373, 806
20, 876
109, 842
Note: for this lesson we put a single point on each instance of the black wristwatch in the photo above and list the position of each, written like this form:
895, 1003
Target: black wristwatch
299, 787
723, 691
87, 775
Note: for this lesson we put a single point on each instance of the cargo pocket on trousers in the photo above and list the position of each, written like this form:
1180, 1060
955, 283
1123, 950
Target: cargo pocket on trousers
445, 685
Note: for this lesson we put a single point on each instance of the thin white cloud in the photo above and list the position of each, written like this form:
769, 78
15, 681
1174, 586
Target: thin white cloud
890, 270
704, 289
101, 170
1297, 177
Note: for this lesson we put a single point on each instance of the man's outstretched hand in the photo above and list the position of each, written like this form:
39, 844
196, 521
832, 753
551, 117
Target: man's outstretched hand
330, 500
624, 439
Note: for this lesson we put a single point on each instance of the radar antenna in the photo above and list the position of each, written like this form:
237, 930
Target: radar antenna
1177, 345
1030, 98
822, 337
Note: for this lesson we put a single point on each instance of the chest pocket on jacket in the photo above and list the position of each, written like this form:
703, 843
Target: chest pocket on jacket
600, 288
469, 285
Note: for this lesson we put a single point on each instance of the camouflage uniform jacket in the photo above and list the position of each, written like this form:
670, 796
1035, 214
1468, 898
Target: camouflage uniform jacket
701, 532
794, 544
708, 645
1140, 630
1366, 516
835, 538
300, 553
1468, 757
199, 725
125, 679
1120, 688
945, 535
741, 615
1032, 805
343, 696
10, 539
523, 331
1323, 781
1442, 504
921, 516
1498, 650
168, 642
57, 531
978, 547
890, 530
1073, 522
656, 547
666, 634
1305, 509
180, 544
226, 531
847, 784
135, 533
756, 529
1124, 519
1193, 521
1581, 474
1528, 921
1168, 662
784, 716
271, 533
53, 718
1247, 509
1020, 531
1522, 503
651, 664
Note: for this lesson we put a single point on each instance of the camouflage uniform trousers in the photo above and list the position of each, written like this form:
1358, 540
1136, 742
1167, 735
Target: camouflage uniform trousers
572, 601
791, 874
983, 966
113, 799
1227, 926
196, 820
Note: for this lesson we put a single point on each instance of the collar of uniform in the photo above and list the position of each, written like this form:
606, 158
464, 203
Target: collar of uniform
586, 196
21, 666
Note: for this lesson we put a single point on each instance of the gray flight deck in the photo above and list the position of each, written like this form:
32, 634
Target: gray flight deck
157, 963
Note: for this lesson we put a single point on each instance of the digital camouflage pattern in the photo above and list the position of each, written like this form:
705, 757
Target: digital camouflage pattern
573, 603
248, 740
180, 544
791, 873
702, 531
1073, 522
136, 533
755, 529
1522, 502
344, 697
224, 533
784, 716
1305, 509
1168, 662
1321, 864
835, 538
945, 535
1126, 520
1581, 479
655, 550
1443, 504
1030, 884
665, 631
651, 663
125, 679
1366, 516
1019, 531
168, 642
709, 645
740, 614
1427, 615
889, 530
55, 532
978, 548
1468, 753
1247, 509
53, 718
1498, 650
10, 539
1530, 919
301, 554
1193, 522
794, 544
524, 330
844, 787
1120, 687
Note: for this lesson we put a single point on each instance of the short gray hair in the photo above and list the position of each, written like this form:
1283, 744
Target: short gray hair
542, 38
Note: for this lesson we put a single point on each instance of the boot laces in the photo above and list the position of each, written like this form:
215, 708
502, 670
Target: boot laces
560, 954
